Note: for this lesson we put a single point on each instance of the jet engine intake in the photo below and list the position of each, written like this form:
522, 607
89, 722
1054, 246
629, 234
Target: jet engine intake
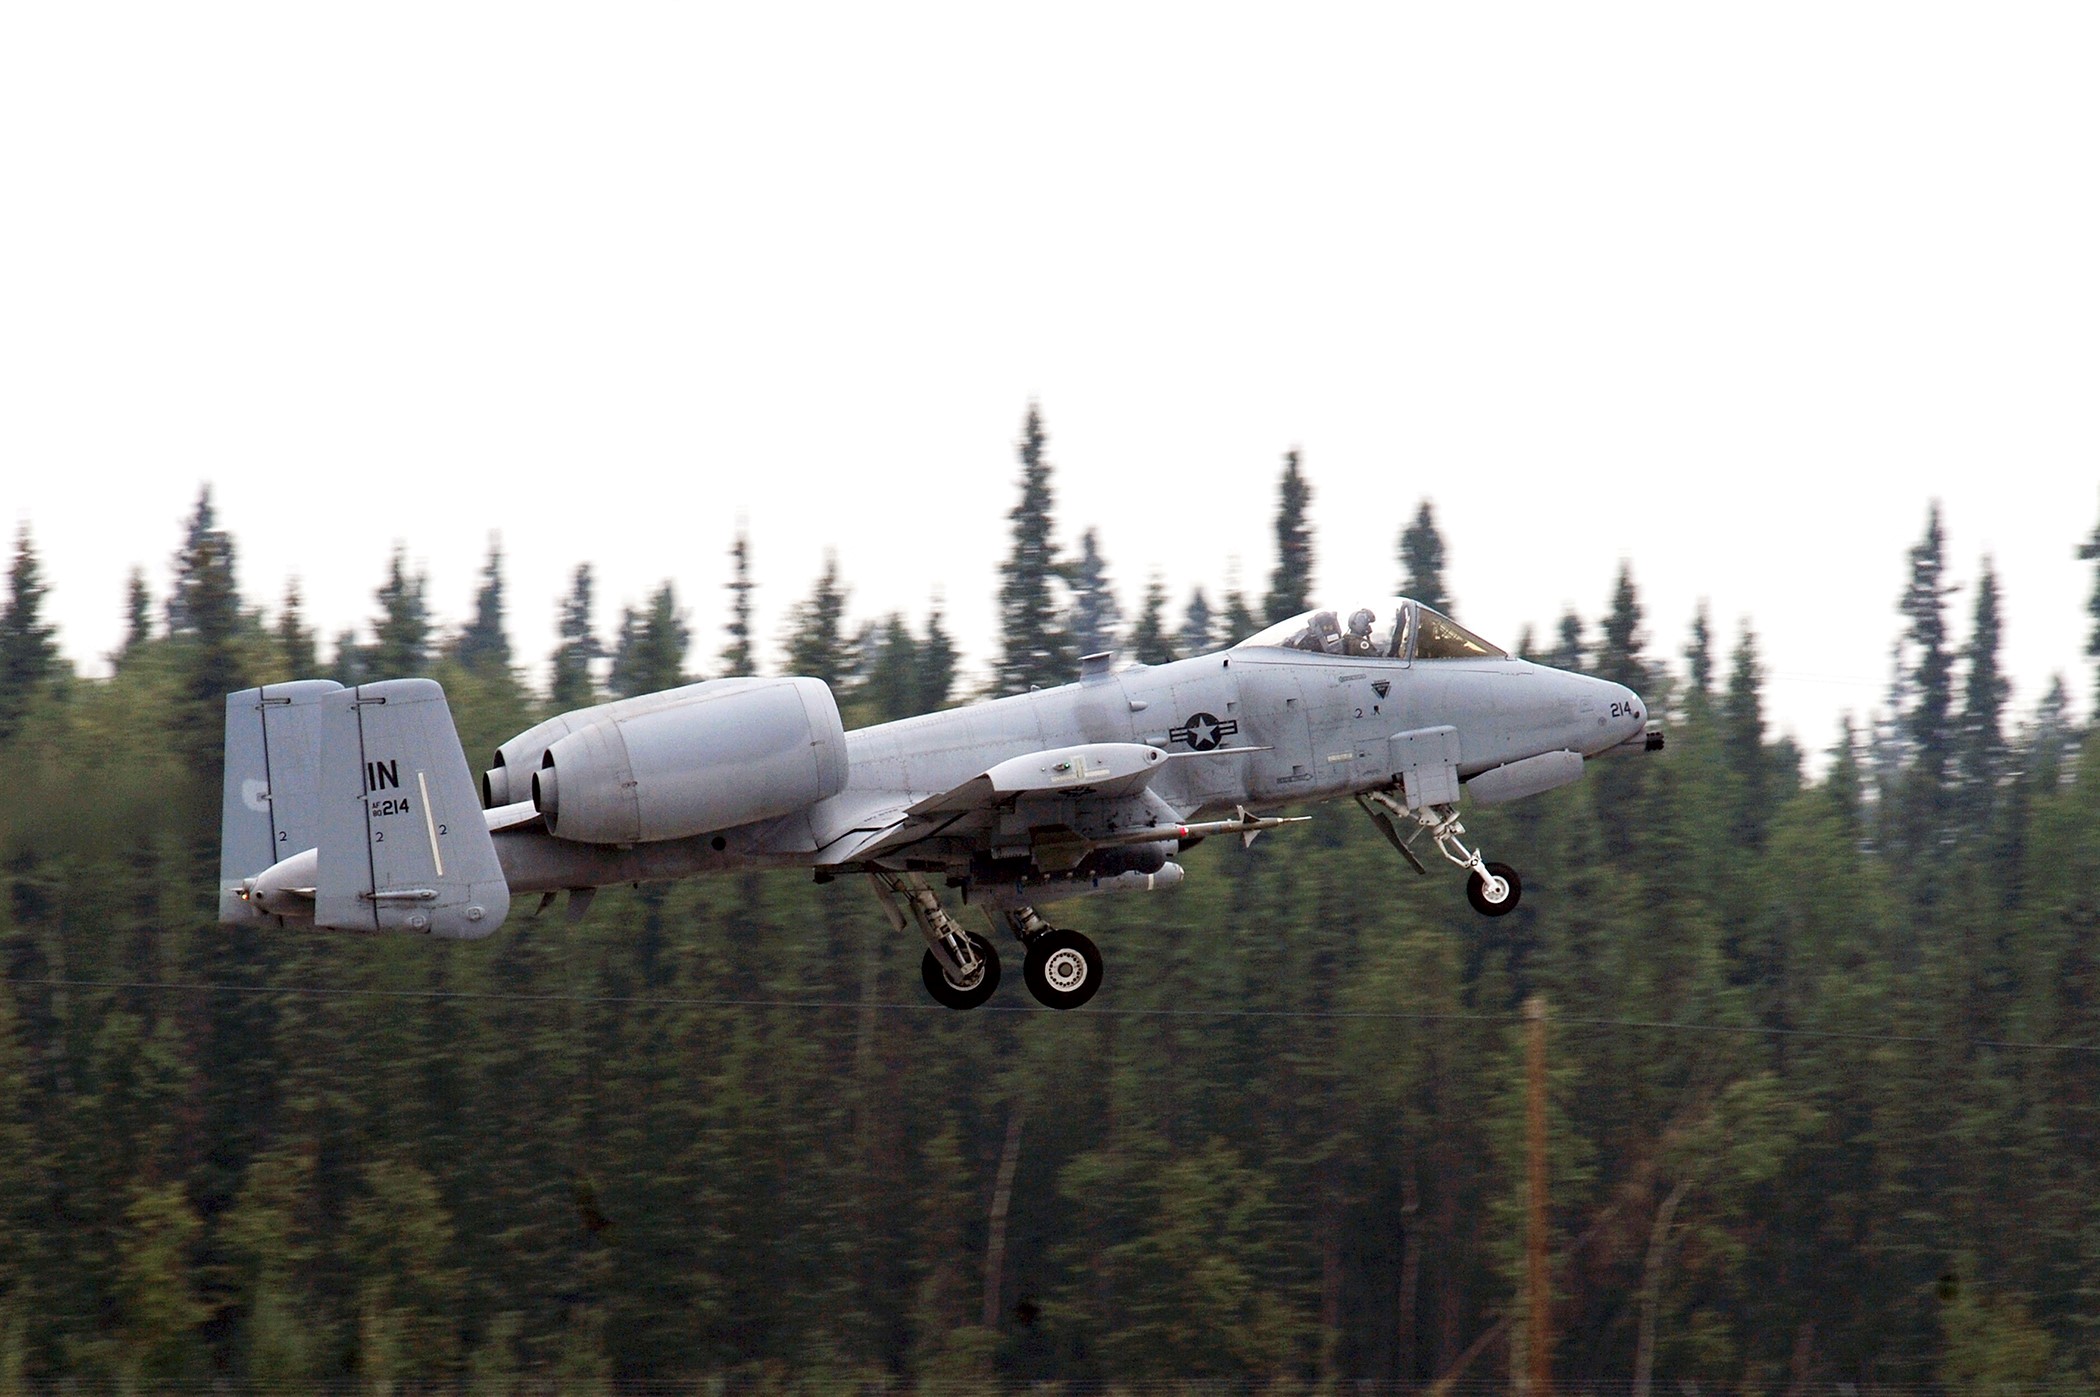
749, 750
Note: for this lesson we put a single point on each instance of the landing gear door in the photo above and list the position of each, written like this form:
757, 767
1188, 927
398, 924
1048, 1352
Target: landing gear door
1426, 762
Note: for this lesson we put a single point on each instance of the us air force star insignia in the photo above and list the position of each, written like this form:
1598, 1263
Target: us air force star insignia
1203, 732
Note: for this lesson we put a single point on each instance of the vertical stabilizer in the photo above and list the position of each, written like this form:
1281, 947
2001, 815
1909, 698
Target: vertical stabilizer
270, 804
403, 842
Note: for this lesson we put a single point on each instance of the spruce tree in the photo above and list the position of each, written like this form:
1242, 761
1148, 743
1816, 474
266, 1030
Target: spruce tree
296, 646
1422, 562
1035, 649
401, 635
484, 646
2089, 551
1923, 700
1742, 723
1096, 618
650, 653
816, 630
204, 621
1619, 653
1699, 654
890, 664
737, 658
573, 685
28, 653
1240, 621
1568, 644
1290, 585
1148, 638
937, 659
1981, 756
1198, 633
138, 613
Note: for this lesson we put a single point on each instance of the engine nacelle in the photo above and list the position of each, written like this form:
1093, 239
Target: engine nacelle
510, 780
726, 754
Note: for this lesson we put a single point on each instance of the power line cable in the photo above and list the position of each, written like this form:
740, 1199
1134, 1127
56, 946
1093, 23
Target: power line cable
1095, 1010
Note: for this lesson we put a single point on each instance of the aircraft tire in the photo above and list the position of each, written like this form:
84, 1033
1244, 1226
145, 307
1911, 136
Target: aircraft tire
946, 991
1477, 895
1062, 969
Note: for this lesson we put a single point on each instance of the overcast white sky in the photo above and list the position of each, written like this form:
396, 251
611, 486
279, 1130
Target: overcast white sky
1731, 292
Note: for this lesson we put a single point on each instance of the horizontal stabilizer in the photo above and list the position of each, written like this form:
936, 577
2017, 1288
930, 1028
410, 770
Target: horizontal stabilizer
404, 845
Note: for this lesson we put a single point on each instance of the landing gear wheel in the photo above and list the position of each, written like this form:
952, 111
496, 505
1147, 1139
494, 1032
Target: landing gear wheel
967, 996
1063, 969
1477, 891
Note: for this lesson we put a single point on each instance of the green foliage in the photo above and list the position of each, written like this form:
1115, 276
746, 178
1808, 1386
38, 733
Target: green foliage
1096, 618
1036, 648
816, 638
1422, 562
737, 657
1290, 584
484, 646
28, 653
574, 684
712, 1135
1148, 635
401, 635
650, 652
1198, 633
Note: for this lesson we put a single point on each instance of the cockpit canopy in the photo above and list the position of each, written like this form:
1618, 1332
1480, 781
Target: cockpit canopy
1398, 628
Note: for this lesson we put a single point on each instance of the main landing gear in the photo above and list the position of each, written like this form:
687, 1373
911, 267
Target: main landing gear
961, 969
1493, 889
1062, 969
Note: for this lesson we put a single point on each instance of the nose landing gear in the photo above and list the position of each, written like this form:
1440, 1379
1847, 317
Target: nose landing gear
1494, 888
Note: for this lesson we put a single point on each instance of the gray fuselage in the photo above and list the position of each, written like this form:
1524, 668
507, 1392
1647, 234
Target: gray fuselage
1258, 726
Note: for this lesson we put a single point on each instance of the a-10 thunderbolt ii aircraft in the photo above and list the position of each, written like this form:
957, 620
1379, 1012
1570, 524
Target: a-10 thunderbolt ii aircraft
353, 809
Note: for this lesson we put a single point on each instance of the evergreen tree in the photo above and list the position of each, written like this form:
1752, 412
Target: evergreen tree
204, 621
1240, 621
1036, 651
2089, 551
1290, 585
401, 635
297, 649
890, 665
1923, 698
1095, 616
650, 653
1148, 638
1742, 723
737, 657
1699, 654
1568, 644
573, 684
1422, 562
138, 613
484, 646
1980, 751
1198, 633
1619, 654
937, 658
816, 630
28, 653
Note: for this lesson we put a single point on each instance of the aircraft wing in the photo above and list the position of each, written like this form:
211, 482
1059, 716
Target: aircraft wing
1097, 773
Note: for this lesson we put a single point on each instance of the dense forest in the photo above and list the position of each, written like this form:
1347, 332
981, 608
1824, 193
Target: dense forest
1824, 1045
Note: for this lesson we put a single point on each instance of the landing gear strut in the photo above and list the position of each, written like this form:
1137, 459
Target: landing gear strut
960, 967
1493, 889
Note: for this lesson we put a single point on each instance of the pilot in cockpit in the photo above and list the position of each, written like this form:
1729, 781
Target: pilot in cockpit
1358, 641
